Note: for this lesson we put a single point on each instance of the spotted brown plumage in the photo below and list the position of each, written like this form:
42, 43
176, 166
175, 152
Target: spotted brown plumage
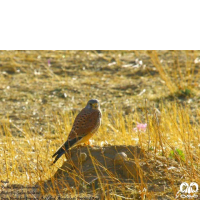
85, 125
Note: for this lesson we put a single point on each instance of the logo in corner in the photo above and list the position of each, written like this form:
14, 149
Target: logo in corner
188, 191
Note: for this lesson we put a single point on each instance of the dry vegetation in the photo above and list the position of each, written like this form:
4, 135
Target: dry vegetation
42, 91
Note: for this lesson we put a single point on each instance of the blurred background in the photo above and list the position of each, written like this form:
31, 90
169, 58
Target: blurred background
34, 85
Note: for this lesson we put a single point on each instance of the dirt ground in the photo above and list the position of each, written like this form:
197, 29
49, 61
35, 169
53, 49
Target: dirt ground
124, 168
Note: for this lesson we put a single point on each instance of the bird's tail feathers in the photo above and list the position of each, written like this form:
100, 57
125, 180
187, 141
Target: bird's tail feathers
64, 148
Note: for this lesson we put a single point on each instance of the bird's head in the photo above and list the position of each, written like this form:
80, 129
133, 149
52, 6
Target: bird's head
93, 104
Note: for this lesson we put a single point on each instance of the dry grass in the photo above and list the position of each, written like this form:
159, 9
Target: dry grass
42, 91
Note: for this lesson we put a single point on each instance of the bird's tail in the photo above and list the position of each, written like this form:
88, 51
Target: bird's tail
64, 148
60, 151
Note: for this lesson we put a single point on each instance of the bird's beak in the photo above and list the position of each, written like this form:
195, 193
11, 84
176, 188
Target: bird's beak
95, 105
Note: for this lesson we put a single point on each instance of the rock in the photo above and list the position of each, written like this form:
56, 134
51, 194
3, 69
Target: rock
83, 157
120, 158
88, 165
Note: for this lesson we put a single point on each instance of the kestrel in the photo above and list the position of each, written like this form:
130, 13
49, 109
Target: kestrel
85, 125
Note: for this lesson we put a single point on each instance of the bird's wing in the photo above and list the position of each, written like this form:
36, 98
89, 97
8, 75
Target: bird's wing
85, 123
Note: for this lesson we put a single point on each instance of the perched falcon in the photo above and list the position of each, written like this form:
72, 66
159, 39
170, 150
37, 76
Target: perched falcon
85, 125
